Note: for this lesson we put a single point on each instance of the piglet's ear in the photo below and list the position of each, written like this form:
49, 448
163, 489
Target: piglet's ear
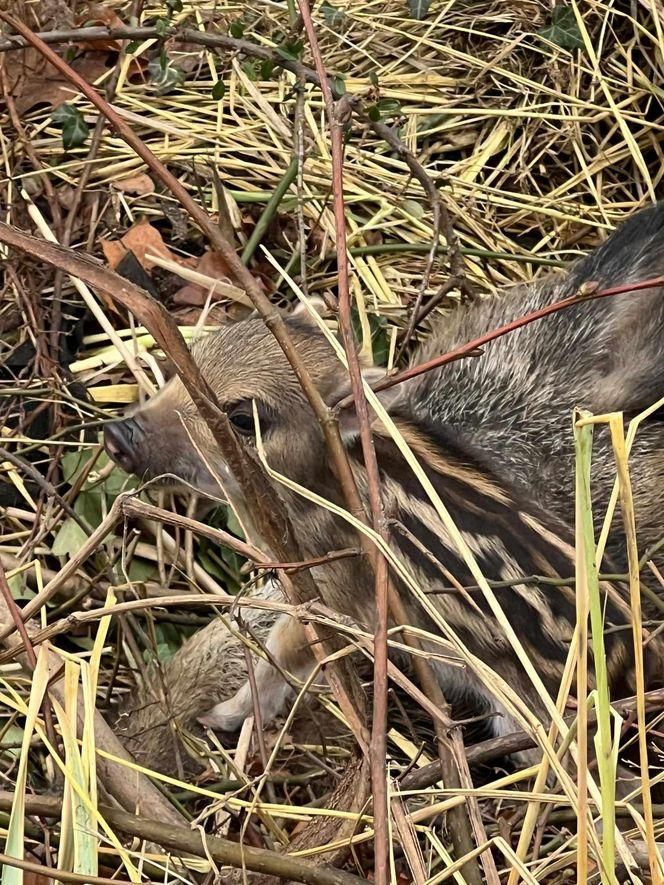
348, 421
303, 312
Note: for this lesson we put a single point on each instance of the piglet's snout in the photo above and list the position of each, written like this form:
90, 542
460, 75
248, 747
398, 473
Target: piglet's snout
122, 441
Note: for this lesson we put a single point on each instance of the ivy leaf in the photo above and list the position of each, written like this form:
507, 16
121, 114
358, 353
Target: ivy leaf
333, 17
388, 107
69, 539
164, 75
161, 26
291, 49
564, 30
218, 90
72, 123
338, 85
418, 9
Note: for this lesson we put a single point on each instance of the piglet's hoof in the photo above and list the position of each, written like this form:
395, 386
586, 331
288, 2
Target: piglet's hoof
219, 718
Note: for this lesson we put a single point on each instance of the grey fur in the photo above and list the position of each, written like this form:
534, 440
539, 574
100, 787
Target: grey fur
495, 436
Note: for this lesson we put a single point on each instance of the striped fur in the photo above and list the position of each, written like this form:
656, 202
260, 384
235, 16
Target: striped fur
494, 437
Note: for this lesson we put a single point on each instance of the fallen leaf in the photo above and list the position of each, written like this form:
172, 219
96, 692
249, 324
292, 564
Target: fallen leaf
142, 239
213, 265
113, 251
140, 184
38, 86
98, 15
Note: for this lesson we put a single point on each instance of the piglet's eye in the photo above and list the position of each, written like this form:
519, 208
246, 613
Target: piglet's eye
242, 421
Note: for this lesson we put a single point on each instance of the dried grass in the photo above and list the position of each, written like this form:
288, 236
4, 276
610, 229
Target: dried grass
538, 152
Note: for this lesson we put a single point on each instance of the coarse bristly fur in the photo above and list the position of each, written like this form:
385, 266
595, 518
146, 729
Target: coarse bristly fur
493, 435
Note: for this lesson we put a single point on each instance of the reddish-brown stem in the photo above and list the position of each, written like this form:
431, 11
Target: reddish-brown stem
471, 347
381, 574
271, 519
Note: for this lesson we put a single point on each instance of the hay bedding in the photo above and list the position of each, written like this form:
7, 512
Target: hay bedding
538, 150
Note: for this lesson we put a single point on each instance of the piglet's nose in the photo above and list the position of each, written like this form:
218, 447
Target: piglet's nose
120, 441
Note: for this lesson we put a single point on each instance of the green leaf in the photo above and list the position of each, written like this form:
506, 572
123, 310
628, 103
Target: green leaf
88, 506
291, 49
374, 113
267, 67
237, 29
165, 76
132, 46
373, 79
388, 107
175, 5
413, 208
72, 123
418, 9
564, 30
333, 17
69, 539
19, 588
161, 26
72, 464
218, 90
141, 570
338, 85
252, 69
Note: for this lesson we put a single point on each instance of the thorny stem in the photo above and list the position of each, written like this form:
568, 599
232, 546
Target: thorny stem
381, 574
458, 822
261, 497
471, 348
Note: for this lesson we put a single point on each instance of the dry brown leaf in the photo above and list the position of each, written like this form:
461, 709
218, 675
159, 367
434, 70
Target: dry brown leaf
141, 239
213, 265
40, 86
96, 16
140, 184
113, 251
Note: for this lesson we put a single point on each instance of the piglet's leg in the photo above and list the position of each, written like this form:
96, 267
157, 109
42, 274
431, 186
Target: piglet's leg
288, 647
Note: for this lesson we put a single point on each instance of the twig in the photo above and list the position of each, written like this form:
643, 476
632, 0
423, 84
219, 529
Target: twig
505, 745
262, 500
471, 348
223, 41
186, 841
381, 574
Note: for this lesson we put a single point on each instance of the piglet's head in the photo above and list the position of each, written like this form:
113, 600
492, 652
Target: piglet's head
166, 438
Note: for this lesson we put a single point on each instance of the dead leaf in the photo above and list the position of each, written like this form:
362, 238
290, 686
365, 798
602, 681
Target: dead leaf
97, 16
139, 185
213, 265
39, 86
142, 239
113, 251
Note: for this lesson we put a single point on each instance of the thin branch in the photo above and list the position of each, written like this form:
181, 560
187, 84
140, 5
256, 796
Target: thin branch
381, 575
185, 841
506, 745
473, 348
